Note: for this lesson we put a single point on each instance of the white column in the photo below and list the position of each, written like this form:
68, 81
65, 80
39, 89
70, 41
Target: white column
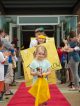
19, 58
62, 32
10, 31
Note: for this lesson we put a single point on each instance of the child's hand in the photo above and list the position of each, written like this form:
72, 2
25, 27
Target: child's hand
44, 74
5, 54
39, 74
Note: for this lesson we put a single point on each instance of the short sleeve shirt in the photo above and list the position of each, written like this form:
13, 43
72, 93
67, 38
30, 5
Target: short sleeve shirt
33, 43
44, 65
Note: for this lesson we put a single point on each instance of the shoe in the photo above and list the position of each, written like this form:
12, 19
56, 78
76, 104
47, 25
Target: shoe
73, 89
71, 85
13, 84
62, 82
6, 97
11, 93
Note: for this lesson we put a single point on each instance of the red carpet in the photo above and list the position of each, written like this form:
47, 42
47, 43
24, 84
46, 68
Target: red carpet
23, 98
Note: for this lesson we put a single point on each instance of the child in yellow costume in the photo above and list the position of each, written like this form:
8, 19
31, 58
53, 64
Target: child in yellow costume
40, 69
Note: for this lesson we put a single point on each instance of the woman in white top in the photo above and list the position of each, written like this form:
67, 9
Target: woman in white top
2, 61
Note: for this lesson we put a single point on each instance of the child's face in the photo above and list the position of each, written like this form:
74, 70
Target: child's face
40, 55
73, 39
41, 40
38, 33
13, 45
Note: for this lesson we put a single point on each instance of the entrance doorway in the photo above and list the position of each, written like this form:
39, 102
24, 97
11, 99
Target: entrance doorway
28, 31
24, 34
26, 26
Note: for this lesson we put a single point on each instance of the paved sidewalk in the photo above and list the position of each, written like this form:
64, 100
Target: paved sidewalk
72, 96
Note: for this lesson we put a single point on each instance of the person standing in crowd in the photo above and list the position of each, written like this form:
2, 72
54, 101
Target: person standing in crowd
74, 59
78, 39
78, 27
2, 61
63, 58
38, 31
14, 63
40, 66
7, 67
9, 74
69, 73
4, 41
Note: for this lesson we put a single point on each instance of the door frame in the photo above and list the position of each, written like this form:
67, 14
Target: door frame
11, 26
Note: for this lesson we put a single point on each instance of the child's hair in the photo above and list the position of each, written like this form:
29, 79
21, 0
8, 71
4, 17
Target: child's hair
62, 44
42, 48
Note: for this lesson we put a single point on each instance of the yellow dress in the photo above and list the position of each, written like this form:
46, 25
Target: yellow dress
40, 90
